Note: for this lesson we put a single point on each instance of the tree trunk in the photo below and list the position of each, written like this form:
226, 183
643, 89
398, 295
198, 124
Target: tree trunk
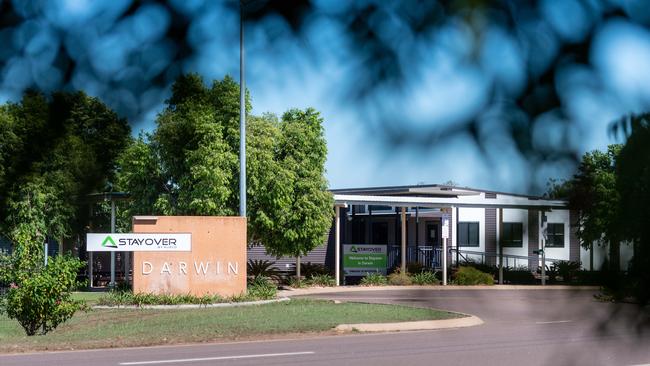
298, 268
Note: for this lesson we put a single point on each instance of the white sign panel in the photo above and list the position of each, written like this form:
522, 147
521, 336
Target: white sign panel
167, 242
445, 228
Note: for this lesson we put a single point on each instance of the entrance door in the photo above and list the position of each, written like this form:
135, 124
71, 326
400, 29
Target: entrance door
432, 235
379, 233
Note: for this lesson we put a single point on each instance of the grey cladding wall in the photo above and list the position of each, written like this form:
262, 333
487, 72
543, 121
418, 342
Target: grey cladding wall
533, 238
574, 242
491, 231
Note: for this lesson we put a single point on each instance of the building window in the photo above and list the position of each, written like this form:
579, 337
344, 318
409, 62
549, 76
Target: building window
555, 235
468, 234
512, 235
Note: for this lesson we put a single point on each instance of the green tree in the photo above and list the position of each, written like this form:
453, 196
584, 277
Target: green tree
66, 144
39, 295
633, 183
595, 197
300, 212
53, 152
189, 166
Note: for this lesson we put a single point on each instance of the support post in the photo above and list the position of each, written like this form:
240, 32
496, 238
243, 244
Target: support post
337, 245
90, 269
112, 283
45, 245
446, 231
403, 265
543, 264
543, 234
455, 223
499, 235
444, 261
127, 266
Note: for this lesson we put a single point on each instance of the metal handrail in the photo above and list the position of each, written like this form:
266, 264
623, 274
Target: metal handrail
507, 258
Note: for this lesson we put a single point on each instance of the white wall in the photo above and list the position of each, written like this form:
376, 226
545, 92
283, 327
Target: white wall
627, 252
560, 217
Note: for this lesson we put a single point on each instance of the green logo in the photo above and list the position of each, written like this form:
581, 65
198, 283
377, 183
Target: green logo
353, 249
108, 242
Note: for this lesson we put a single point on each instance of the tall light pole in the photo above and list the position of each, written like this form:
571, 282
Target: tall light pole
242, 116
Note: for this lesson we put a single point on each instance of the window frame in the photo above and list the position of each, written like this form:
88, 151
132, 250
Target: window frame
555, 235
512, 243
478, 234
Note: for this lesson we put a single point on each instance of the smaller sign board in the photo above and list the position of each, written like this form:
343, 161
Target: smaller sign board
361, 259
445, 227
164, 242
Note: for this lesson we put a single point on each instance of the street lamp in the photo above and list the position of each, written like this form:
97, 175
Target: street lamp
242, 116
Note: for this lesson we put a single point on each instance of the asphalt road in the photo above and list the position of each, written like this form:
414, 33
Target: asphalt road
522, 327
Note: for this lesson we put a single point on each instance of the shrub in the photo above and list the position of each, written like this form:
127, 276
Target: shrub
425, 278
42, 300
295, 282
262, 268
261, 288
520, 276
122, 298
310, 269
487, 268
399, 278
567, 270
415, 267
323, 280
374, 279
472, 276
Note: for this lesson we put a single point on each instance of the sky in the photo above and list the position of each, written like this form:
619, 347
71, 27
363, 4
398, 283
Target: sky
448, 75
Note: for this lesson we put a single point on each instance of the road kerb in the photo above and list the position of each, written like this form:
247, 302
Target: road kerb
468, 321
325, 290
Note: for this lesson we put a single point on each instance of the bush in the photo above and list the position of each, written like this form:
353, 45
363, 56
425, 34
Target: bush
295, 282
122, 298
566, 269
261, 288
399, 278
42, 300
425, 278
415, 267
374, 279
590, 277
471, 276
262, 268
519, 276
310, 269
487, 268
323, 280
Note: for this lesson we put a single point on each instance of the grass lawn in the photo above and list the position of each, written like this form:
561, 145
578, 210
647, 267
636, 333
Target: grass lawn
122, 327
89, 297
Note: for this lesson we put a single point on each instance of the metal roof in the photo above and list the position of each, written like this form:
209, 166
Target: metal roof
423, 189
461, 201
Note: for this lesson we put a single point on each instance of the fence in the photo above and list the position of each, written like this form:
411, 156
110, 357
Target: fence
531, 263
427, 256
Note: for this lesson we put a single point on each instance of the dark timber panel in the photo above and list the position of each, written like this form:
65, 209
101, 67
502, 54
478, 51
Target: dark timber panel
491, 233
574, 242
533, 238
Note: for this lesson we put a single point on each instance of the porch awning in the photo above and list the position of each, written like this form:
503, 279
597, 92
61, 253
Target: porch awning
461, 201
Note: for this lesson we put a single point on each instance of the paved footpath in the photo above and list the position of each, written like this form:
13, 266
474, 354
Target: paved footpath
522, 327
